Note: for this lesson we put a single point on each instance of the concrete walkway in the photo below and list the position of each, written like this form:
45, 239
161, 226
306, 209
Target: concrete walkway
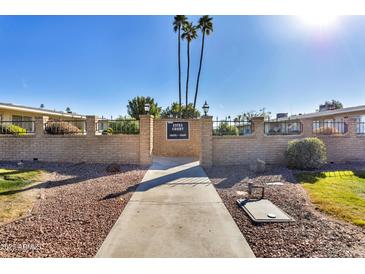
175, 212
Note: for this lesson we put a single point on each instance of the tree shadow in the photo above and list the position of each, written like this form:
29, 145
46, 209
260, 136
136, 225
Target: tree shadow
79, 172
190, 176
14, 172
314, 177
235, 176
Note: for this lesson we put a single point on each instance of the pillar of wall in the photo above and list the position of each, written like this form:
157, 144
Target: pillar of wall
39, 124
351, 126
91, 125
258, 149
307, 125
258, 127
146, 139
206, 151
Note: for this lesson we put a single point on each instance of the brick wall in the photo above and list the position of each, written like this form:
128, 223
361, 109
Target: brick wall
229, 150
152, 140
176, 148
97, 149
90, 148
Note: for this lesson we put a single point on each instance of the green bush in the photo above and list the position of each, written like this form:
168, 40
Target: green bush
129, 126
307, 153
13, 129
61, 128
108, 131
226, 129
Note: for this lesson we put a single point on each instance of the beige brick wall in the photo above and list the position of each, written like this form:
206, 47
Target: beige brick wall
89, 148
176, 148
206, 139
152, 140
97, 149
230, 150
146, 139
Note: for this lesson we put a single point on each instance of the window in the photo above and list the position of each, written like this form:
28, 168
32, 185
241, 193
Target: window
329, 127
360, 124
283, 128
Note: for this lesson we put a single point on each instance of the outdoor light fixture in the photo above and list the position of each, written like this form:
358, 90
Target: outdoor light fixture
147, 108
205, 108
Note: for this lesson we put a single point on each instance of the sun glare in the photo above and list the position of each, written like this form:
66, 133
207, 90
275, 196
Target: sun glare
318, 20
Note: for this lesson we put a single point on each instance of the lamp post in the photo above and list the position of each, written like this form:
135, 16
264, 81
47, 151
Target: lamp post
205, 108
147, 108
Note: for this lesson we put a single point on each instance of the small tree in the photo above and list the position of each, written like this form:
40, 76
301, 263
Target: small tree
331, 105
137, 104
186, 112
337, 104
225, 128
247, 116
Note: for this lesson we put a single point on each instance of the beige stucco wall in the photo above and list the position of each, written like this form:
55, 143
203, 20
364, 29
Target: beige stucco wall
7, 115
176, 148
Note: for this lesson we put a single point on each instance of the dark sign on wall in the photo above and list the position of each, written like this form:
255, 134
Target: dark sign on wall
177, 130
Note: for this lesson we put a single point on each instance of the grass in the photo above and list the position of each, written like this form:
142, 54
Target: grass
339, 193
11, 179
15, 205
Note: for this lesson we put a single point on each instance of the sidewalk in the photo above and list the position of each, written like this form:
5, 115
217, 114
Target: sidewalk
175, 212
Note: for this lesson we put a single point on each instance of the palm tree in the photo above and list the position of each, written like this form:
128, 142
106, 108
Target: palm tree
189, 34
179, 21
206, 27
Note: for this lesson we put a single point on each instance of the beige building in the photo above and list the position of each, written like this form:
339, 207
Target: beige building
334, 115
24, 116
333, 118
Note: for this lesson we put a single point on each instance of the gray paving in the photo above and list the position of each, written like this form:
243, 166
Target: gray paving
263, 211
175, 212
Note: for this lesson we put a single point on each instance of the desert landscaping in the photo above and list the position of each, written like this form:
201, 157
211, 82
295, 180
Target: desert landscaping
75, 208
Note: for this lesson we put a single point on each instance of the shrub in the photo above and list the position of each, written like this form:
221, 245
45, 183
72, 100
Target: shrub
226, 129
61, 128
125, 126
108, 131
13, 129
307, 153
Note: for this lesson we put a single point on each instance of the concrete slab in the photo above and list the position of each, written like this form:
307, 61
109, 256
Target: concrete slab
275, 184
175, 212
263, 210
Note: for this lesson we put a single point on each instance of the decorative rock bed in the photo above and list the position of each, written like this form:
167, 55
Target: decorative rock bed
313, 234
80, 205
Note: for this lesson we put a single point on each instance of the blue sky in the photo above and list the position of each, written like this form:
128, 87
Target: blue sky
94, 64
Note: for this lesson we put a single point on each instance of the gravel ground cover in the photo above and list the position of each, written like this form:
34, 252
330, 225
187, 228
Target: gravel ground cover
313, 234
77, 207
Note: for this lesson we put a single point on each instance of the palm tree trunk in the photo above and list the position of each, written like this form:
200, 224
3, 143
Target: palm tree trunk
179, 65
187, 77
200, 68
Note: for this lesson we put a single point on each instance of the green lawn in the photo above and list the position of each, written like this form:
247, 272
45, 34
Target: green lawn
15, 205
11, 179
339, 193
